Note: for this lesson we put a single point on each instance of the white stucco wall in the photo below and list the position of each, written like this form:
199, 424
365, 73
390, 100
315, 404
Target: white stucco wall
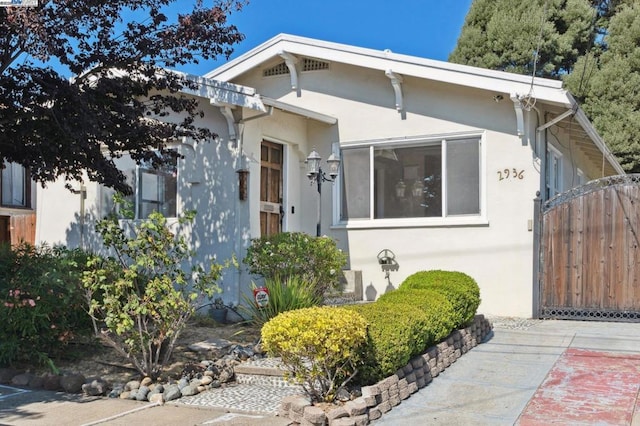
496, 248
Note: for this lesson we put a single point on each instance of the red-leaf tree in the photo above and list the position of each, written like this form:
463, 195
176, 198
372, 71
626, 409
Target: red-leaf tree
118, 52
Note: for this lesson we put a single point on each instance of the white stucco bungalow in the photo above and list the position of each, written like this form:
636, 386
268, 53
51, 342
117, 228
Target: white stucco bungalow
440, 166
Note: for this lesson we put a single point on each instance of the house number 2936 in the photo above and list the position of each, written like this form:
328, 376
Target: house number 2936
510, 174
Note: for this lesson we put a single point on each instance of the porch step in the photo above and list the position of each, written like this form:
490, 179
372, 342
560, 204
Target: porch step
265, 372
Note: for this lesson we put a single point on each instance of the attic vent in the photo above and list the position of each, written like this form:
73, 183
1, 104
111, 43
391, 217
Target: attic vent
307, 65
314, 65
280, 69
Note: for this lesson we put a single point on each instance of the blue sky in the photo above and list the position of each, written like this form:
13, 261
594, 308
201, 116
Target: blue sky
425, 28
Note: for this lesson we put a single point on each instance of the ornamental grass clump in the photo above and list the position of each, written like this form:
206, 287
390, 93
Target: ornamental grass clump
320, 348
285, 294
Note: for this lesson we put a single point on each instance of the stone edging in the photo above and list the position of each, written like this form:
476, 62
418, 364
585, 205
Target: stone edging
383, 396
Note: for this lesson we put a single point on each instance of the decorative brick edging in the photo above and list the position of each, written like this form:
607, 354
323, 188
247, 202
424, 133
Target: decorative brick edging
383, 396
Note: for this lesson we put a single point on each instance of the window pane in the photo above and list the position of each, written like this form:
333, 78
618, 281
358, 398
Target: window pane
13, 185
149, 187
408, 181
170, 195
463, 177
157, 191
355, 183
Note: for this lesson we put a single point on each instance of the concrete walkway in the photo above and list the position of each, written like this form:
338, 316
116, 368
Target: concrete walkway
527, 373
554, 372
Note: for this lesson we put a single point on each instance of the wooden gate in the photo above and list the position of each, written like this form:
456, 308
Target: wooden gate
590, 252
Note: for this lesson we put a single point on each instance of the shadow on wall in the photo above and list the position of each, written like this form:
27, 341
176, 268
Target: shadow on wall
208, 184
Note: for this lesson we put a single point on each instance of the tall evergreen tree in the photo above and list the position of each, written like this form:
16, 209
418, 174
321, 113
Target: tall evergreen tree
608, 84
505, 34
593, 45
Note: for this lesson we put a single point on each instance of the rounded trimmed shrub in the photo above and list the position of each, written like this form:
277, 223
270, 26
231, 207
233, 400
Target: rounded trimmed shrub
319, 346
435, 306
459, 288
398, 330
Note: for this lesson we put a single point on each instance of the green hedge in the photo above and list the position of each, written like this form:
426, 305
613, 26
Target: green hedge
459, 288
438, 310
393, 333
401, 325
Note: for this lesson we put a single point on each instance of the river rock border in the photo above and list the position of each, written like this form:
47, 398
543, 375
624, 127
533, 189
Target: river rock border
383, 396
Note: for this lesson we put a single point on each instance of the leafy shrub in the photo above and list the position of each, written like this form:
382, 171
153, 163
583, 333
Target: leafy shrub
314, 259
393, 333
459, 288
400, 326
142, 297
435, 306
319, 347
285, 294
41, 302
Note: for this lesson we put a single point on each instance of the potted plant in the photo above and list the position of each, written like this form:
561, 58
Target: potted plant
219, 310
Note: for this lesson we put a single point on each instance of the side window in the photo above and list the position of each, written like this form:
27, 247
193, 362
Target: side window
14, 187
153, 190
554, 172
156, 190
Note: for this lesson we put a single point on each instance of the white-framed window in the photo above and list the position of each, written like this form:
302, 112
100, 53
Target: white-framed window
156, 189
14, 186
429, 179
554, 172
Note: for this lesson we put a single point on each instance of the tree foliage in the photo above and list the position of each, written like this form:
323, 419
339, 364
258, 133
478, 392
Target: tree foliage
593, 45
58, 126
505, 35
607, 85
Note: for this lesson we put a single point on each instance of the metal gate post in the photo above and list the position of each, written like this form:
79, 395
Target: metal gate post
537, 258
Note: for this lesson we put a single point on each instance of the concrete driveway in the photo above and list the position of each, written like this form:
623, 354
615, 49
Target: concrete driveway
546, 372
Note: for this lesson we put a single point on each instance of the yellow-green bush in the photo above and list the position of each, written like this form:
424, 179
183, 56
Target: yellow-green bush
459, 288
320, 347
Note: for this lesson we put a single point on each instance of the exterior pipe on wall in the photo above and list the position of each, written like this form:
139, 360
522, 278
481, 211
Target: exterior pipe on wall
242, 169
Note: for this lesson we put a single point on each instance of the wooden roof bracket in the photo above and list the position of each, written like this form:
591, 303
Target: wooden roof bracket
291, 61
517, 105
396, 83
227, 113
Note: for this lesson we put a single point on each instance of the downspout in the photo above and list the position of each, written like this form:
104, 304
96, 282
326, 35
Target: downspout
83, 195
242, 166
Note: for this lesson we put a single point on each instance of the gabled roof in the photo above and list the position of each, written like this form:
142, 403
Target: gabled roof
520, 88
498, 81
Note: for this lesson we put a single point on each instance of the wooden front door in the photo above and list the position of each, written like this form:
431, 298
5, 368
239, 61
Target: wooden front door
271, 156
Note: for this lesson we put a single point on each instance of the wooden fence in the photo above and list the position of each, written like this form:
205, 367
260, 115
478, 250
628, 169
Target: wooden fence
590, 252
